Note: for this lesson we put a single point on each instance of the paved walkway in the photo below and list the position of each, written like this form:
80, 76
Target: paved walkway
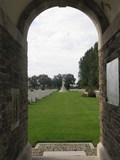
65, 155
65, 158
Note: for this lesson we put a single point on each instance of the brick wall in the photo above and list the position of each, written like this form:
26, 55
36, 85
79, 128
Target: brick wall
13, 65
109, 114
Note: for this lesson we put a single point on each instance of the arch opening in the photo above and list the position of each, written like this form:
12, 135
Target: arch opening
69, 35
68, 32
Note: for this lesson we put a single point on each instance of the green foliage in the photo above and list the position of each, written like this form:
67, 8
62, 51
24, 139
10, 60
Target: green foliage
69, 80
57, 81
44, 81
64, 117
88, 69
33, 82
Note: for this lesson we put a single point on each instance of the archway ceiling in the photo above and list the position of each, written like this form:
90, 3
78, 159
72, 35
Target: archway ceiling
14, 8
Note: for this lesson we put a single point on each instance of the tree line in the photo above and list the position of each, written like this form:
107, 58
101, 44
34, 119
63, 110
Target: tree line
88, 69
88, 74
43, 81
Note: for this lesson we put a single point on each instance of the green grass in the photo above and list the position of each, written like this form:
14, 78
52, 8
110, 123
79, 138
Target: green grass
64, 117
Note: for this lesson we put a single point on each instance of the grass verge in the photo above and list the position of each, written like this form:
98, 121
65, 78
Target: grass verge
64, 117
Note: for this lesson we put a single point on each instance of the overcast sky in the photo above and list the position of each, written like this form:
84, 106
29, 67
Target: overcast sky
57, 39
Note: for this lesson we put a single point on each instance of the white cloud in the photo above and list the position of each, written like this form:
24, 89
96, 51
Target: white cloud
57, 39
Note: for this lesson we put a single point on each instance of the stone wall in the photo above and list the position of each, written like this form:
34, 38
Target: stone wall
109, 114
13, 65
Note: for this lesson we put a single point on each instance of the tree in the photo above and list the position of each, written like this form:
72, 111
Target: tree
88, 68
57, 81
44, 81
33, 82
69, 80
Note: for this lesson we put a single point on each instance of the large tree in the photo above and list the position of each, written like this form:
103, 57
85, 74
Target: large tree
88, 68
33, 82
44, 81
69, 80
57, 81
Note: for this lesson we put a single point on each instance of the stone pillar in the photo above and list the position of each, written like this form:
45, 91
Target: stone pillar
102, 153
109, 146
26, 153
13, 93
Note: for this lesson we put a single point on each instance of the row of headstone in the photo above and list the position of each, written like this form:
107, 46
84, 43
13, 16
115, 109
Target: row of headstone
34, 95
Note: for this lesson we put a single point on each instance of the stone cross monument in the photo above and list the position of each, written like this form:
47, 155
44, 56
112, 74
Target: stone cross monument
63, 89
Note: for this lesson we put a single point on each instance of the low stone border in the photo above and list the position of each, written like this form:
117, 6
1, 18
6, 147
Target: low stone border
88, 148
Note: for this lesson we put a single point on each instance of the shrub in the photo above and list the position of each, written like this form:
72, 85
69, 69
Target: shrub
91, 93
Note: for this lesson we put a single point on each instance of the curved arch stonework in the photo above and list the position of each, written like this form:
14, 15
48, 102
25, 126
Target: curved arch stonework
15, 19
90, 8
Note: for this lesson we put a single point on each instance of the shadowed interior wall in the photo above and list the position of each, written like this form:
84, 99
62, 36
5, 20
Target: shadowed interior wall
13, 75
110, 114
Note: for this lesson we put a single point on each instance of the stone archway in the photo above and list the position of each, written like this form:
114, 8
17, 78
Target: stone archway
89, 8
14, 24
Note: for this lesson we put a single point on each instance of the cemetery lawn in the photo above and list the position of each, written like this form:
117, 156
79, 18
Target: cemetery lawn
64, 117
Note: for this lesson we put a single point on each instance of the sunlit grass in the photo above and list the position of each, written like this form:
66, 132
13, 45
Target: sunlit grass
64, 117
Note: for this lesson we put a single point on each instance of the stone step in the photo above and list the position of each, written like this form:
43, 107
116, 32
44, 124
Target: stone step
66, 158
64, 153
